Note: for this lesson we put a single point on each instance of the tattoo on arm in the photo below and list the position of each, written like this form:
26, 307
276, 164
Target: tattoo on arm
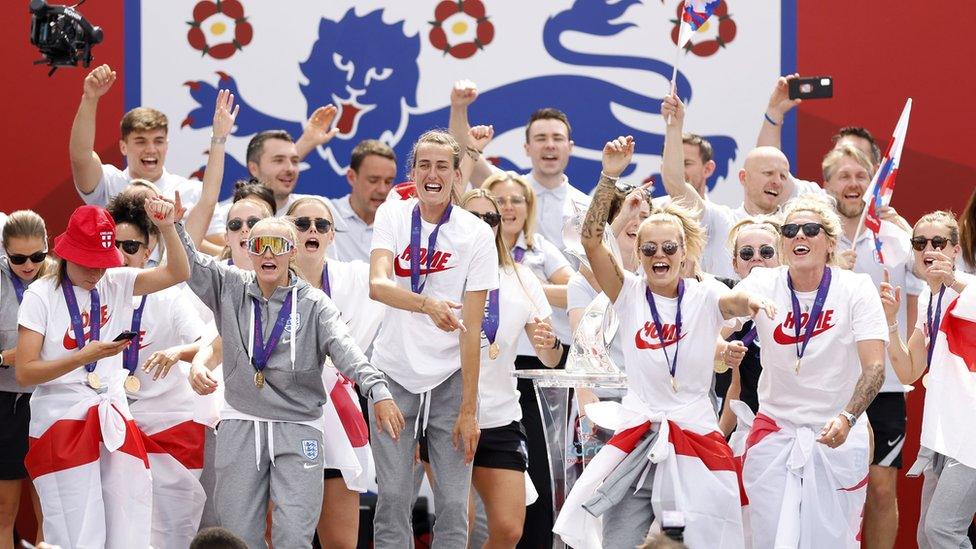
866, 389
599, 210
616, 266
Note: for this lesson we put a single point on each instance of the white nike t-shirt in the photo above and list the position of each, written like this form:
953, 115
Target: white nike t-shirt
168, 319
647, 359
830, 366
349, 286
520, 299
45, 312
410, 348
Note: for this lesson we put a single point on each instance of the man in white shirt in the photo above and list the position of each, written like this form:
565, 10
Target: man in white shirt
144, 143
372, 170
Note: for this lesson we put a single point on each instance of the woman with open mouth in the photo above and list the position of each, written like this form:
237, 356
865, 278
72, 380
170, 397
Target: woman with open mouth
67, 324
947, 456
670, 325
25, 240
348, 456
270, 436
822, 355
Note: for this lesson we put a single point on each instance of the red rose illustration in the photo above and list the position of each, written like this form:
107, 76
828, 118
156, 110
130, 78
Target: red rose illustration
219, 28
704, 48
460, 28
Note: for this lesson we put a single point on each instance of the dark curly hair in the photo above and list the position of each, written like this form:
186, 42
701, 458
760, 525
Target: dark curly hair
131, 208
245, 188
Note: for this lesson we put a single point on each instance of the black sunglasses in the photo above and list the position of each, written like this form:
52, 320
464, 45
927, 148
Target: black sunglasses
491, 218
235, 224
765, 251
129, 246
19, 259
938, 242
669, 247
322, 225
810, 230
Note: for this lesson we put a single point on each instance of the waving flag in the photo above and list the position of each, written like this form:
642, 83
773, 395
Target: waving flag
693, 16
882, 186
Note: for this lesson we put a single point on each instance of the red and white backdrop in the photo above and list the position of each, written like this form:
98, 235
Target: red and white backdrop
389, 67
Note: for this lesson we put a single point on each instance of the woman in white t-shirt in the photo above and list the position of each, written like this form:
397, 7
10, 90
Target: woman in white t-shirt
347, 284
162, 402
430, 261
100, 493
670, 325
807, 457
947, 456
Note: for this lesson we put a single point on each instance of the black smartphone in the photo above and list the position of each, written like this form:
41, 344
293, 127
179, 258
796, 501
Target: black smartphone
127, 335
812, 87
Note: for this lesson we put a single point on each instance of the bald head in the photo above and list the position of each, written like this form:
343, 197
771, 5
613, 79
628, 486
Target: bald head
764, 177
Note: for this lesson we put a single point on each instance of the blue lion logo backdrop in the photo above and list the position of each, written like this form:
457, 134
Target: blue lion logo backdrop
389, 67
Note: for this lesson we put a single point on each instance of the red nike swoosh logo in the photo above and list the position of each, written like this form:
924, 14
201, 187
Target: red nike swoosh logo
405, 271
641, 343
69, 341
781, 337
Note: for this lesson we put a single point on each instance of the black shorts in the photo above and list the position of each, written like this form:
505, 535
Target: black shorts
332, 473
498, 448
14, 423
887, 416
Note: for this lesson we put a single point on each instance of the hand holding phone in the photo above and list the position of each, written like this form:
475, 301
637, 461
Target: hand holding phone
127, 335
812, 87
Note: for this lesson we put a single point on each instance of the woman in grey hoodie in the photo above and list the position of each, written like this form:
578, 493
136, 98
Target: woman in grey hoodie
270, 433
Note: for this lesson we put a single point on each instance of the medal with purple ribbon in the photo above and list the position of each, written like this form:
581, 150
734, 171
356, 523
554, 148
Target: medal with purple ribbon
490, 325
130, 356
326, 286
416, 226
672, 364
720, 366
262, 351
78, 327
818, 303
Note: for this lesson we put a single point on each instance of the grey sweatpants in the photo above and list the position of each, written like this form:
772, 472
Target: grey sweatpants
626, 523
395, 470
948, 505
293, 483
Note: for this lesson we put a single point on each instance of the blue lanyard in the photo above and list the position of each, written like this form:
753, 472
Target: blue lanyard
415, 228
94, 318
672, 364
933, 324
818, 304
262, 351
130, 356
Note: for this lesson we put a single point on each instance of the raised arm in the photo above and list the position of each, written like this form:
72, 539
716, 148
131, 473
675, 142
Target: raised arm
176, 267
673, 158
907, 360
771, 132
606, 269
198, 219
474, 148
463, 94
86, 167
318, 131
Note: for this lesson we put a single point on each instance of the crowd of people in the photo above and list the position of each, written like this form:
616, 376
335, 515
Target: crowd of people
172, 363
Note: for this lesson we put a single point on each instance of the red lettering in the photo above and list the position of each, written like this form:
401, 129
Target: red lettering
648, 329
825, 318
669, 332
440, 260
788, 322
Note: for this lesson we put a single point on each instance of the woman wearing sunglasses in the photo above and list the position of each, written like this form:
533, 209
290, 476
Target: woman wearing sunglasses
270, 435
670, 325
98, 494
823, 363
347, 284
947, 457
754, 242
168, 331
25, 241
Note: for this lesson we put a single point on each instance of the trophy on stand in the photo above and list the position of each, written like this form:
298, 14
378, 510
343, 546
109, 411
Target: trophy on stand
588, 365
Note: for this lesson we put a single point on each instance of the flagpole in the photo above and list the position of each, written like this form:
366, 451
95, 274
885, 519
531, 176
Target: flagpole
677, 56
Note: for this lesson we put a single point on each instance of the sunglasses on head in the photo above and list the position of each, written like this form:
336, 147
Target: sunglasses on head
669, 247
129, 246
748, 252
278, 245
938, 242
491, 218
810, 230
322, 225
235, 224
20, 259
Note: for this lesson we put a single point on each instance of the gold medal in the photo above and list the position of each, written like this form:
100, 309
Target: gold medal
259, 380
674, 384
720, 367
93, 381
797, 366
493, 351
925, 380
132, 384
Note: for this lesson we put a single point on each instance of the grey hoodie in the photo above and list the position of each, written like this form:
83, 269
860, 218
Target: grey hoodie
9, 307
291, 392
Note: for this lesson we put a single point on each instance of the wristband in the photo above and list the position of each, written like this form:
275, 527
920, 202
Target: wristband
422, 303
214, 140
851, 418
611, 178
556, 344
770, 120
893, 327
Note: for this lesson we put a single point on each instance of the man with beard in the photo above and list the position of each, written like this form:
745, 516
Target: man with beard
847, 173
372, 170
